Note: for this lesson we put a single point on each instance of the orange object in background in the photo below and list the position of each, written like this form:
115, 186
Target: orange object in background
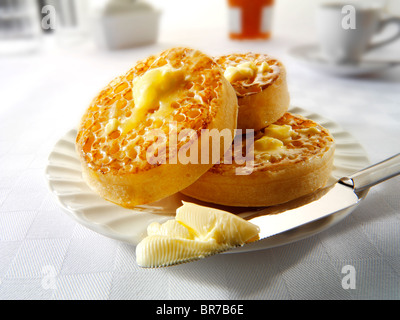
250, 19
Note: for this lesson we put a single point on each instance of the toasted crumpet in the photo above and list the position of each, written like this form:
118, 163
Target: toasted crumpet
260, 84
292, 157
124, 139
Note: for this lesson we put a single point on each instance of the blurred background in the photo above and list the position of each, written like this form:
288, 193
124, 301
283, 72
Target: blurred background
122, 24
57, 54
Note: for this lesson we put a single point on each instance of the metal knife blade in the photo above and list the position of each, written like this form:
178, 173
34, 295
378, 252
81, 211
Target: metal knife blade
295, 214
325, 202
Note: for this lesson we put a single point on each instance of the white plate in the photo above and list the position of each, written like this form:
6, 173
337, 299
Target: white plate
63, 174
310, 56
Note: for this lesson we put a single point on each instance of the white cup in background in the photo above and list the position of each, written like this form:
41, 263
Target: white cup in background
346, 29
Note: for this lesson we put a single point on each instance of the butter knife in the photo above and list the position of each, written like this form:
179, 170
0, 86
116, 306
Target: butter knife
344, 194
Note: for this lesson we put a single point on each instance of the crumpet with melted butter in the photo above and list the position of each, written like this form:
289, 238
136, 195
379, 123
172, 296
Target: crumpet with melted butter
260, 85
291, 158
124, 138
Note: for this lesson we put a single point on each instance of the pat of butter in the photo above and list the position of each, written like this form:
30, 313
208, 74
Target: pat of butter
245, 70
264, 67
111, 126
169, 228
196, 232
310, 130
273, 138
279, 132
266, 143
155, 89
242, 71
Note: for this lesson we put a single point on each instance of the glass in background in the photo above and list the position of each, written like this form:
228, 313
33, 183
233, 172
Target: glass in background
20, 30
71, 20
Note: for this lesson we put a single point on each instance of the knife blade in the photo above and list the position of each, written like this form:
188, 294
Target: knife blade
344, 194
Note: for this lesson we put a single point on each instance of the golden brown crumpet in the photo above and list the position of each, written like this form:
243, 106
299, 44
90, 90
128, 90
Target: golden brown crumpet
124, 138
260, 85
292, 157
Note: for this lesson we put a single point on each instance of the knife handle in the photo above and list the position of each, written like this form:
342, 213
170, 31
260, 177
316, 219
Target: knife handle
374, 174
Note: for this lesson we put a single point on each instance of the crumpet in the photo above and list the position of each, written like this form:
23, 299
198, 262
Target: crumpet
260, 84
124, 138
292, 157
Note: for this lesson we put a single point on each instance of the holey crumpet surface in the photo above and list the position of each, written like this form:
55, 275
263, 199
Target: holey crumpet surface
260, 84
288, 159
134, 137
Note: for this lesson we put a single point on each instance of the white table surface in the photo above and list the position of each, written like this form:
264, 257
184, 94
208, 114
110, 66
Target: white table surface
44, 254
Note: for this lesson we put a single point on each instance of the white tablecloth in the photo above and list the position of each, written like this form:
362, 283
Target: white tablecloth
44, 254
